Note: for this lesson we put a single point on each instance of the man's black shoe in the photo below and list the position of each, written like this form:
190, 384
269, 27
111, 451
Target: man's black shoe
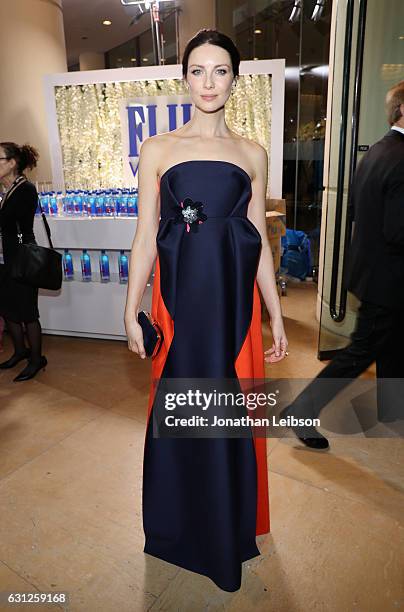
311, 437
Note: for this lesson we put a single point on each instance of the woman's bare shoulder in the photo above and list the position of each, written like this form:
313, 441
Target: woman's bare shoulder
254, 152
152, 144
252, 147
156, 148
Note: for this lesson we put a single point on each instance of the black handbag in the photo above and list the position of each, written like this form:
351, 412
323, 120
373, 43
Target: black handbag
152, 333
37, 265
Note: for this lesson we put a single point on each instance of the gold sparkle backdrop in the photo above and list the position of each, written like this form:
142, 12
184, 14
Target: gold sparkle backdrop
90, 123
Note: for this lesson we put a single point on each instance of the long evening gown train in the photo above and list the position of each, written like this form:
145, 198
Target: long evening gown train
205, 500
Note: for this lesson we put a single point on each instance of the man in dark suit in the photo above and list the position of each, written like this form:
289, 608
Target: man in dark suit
376, 277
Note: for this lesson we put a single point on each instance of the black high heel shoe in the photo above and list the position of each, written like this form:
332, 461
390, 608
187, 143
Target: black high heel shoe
31, 370
316, 440
10, 363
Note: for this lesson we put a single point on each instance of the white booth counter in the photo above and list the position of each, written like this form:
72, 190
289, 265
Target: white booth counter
93, 308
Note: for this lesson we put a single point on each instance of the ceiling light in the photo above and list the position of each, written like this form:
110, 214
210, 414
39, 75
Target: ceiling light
318, 10
296, 11
107, 22
401, 38
292, 73
139, 2
320, 71
133, 59
145, 59
257, 31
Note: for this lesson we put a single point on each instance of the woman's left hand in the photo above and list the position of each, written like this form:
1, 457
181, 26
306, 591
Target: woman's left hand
278, 350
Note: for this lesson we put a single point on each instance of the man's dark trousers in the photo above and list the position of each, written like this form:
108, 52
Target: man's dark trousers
378, 337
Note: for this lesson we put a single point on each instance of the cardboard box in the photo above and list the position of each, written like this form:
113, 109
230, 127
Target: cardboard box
276, 228
276, 224
276, 249
276, 204
275, 244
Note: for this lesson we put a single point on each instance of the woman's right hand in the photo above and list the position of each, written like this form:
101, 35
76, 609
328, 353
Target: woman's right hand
135, 337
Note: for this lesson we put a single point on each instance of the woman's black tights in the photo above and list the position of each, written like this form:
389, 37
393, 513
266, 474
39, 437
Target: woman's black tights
34, 335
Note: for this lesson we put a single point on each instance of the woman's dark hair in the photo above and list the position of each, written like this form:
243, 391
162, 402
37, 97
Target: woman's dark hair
25, 156
212, 37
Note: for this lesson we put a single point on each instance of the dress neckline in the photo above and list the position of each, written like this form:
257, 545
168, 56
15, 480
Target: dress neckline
215, 161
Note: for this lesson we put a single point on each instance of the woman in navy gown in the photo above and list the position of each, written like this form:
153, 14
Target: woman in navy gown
205, 499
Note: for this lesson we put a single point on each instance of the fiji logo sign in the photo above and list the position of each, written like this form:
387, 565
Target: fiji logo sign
148, 116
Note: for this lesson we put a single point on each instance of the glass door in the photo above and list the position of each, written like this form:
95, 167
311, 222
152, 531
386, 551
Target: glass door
367, 48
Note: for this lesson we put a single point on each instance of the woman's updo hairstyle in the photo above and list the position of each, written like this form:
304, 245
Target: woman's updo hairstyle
25, 156
212, 37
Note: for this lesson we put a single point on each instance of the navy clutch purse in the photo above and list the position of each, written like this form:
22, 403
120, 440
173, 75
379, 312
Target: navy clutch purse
152, 334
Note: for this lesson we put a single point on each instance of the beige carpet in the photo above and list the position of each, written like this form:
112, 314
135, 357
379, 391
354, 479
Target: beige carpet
71, 446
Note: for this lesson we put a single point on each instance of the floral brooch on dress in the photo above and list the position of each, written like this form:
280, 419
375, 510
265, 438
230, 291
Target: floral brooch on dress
190, 212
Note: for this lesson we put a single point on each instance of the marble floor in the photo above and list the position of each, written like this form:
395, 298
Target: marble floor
71, 444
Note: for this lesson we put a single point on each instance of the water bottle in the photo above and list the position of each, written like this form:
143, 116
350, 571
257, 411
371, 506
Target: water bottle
71, 203
59, 202
84, 198
99, 205
68, 203
106, 203
68, 270
45, 202
91, 205
85, 266
131, 206
53, 205
77, 203
112, 203
38, 208
123, 267
104, 267
123, 204
117, 198
109, 204
136, 199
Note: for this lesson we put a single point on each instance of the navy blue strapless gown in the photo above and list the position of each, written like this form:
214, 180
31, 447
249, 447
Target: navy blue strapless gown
199, 494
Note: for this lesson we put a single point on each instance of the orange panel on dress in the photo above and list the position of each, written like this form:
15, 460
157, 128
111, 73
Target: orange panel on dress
250, 364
